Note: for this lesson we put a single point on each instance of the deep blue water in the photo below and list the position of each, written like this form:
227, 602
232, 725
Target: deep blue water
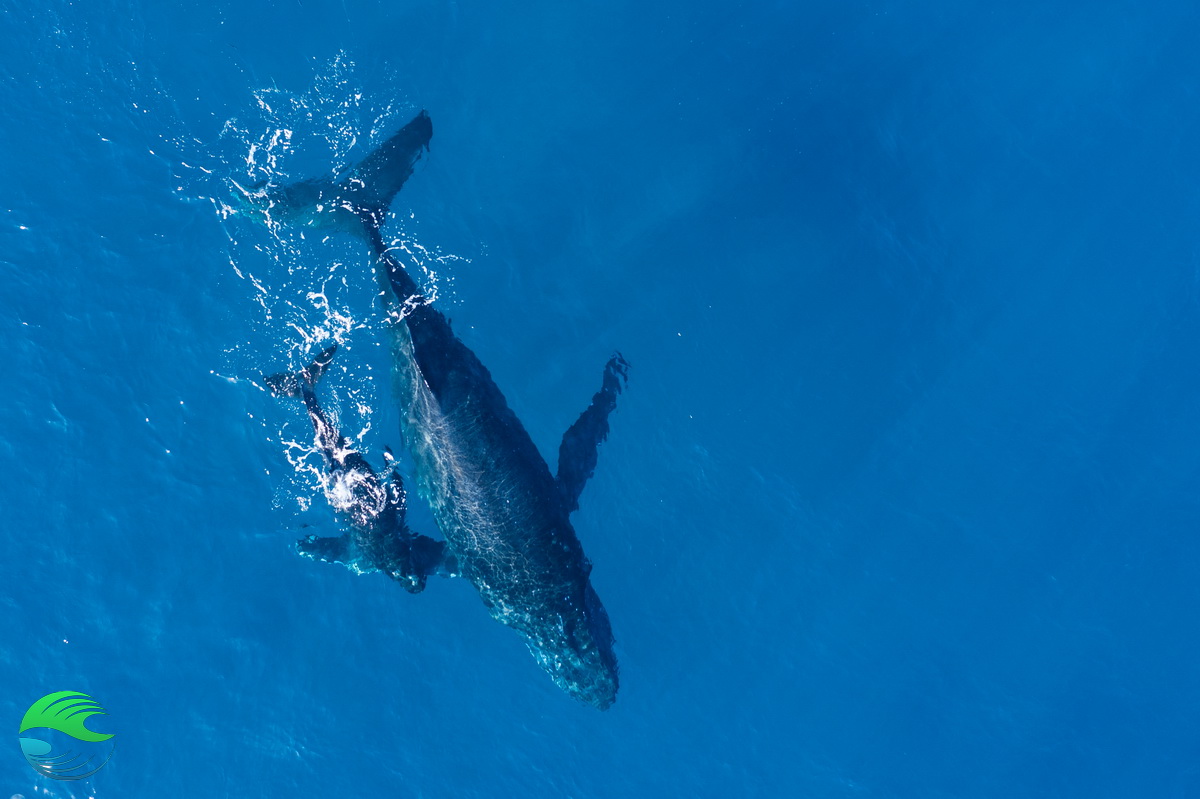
902, 499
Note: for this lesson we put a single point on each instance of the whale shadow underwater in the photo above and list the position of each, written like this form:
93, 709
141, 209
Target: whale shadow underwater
504, 517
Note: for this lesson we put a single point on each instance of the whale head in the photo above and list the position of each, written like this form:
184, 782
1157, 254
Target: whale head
577, 652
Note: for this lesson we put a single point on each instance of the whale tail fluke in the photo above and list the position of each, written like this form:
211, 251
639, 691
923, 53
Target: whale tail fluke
290, 384
374, 182
364, 190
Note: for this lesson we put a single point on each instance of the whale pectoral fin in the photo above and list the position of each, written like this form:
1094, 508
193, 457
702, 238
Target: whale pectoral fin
332, 549
578, 453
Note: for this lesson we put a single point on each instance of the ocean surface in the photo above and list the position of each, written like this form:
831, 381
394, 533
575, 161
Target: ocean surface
902, 498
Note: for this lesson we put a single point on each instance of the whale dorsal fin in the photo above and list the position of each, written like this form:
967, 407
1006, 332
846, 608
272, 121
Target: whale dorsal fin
579, 451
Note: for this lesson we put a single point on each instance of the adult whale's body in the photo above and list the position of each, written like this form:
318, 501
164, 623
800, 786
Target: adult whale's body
505, 517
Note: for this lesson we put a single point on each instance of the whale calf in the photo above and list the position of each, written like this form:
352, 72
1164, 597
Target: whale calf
504, 517
379, 539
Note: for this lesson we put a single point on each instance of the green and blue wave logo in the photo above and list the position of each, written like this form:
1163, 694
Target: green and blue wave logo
65, 749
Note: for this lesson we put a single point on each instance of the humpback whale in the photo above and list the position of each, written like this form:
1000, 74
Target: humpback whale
379, 540
504, 517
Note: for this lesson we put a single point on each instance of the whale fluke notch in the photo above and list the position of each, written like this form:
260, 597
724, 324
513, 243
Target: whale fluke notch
579, 451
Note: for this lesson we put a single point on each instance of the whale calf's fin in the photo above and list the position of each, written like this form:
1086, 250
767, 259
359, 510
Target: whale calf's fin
422, 556
334, 549
579, 451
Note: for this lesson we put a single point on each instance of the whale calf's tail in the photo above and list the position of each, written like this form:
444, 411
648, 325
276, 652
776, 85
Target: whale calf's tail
290, 384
